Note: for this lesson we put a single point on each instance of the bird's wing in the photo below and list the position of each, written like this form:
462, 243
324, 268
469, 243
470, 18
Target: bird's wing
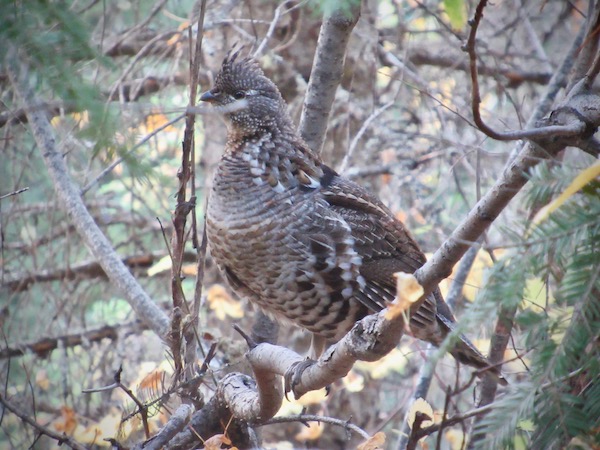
383, 243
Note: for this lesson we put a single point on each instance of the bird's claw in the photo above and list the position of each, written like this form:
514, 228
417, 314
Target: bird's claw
293, 375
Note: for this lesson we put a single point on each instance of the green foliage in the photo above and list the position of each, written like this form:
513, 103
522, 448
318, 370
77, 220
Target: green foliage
327, 7
456, 13
55, 42
562, 398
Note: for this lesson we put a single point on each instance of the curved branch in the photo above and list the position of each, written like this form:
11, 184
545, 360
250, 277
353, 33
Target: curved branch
70, 199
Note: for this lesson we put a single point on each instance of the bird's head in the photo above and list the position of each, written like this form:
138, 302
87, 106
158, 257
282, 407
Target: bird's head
249, 100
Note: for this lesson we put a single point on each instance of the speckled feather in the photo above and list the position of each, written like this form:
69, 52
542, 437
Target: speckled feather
292, 236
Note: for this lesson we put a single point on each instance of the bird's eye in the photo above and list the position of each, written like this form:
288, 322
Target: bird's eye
239, 95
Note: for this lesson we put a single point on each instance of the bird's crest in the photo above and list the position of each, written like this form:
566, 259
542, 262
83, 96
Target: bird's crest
241, 72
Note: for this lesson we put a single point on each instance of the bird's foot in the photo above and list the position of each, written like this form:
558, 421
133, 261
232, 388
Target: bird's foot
293, 375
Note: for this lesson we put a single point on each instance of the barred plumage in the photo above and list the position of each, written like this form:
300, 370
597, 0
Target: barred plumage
294, 237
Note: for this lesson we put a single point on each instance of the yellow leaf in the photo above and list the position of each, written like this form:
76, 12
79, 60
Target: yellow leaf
394, 361
295, 406
157, 120
536, 294
375, 442
474, 281
408, 291
456, 438
162, 265
41, 380
222, 304
576, 185
313, 431
420, 406
354, 381
95, 433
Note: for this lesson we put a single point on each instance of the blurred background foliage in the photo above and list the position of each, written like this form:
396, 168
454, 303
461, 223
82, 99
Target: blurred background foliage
111, 74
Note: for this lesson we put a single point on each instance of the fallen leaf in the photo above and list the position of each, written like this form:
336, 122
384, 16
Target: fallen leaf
354, 381
222, 304
41, 380
313, 431
68, 421
375, 442
215, 442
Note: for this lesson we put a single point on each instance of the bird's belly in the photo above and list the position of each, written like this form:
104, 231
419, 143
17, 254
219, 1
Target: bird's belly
266, 259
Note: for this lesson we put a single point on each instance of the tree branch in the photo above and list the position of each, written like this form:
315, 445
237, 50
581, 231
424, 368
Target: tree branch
68, 194
60, 438
87, 269
326, 75
45, 345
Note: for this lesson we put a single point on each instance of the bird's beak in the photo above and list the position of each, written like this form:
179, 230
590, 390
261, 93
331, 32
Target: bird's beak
209, 97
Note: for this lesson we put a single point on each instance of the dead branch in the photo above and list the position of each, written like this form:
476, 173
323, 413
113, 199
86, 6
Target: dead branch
44, 346
176, 423
87, 269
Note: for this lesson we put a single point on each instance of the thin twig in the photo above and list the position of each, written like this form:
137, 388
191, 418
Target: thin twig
17, 192
60, 438
119, 160
305, 418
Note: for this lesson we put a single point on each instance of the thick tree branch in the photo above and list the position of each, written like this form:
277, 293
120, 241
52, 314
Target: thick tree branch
326, 75
68, 194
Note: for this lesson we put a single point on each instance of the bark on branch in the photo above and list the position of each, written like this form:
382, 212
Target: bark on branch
326, 74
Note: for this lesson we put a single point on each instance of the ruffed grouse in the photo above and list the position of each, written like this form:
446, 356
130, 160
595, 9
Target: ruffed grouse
294, 237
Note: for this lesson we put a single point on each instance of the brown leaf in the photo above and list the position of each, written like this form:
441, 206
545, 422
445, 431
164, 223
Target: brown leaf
215, 442
222, 304
68, 423
375, 442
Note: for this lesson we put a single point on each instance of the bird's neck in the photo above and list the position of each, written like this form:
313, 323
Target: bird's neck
274, 157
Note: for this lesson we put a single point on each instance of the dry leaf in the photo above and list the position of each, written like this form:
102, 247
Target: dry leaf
222, 304
152, 380
354, 381
455, 438
68, 423
408, 291
41, 380
95, 433
162, 265
215, 442
313, 431
157, 120
375, 442
394, 361
420, 406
